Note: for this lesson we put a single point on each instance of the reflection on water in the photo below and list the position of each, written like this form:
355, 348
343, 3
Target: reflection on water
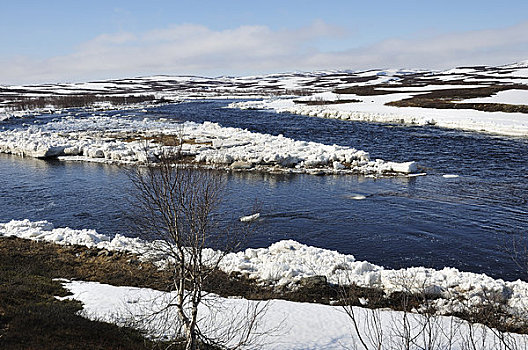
427, 220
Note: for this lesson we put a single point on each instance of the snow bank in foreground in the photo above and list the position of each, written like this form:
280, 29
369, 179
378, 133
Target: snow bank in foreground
287, 262
373, 109
285, 324
121, 139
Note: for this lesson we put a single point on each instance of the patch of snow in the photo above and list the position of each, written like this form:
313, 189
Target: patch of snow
513, 97
45, 231
522, 73
520, 64
428, 88
284, 324
458, 71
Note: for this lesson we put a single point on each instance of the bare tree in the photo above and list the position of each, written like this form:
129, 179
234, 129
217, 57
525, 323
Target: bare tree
178, 204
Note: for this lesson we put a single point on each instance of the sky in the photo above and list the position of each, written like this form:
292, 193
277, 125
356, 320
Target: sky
68, 41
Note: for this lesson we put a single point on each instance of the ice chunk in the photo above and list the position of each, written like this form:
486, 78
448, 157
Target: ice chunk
250, 218
408, 167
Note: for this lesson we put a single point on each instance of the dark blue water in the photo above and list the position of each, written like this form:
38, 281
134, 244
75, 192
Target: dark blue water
465, 222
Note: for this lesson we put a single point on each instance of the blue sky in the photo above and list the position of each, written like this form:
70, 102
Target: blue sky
84, 40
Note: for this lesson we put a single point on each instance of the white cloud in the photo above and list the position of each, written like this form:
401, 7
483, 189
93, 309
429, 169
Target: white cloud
483, 47
196, 49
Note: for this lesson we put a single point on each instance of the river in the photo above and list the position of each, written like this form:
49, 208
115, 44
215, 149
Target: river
465, 222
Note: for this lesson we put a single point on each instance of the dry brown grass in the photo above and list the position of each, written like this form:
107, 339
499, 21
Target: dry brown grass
31, 317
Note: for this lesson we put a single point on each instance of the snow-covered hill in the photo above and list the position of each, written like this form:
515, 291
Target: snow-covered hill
281, 84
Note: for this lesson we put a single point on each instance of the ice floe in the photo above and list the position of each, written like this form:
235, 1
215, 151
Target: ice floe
121, 139
250, 218
357, 197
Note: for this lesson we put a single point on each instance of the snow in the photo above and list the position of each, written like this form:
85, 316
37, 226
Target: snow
513, 97
520, 64
449, 77
373, 109
428, 88
294, 83
521, 73
98, 138
284, 324
459, 71
285, 263
324, 96
45, 231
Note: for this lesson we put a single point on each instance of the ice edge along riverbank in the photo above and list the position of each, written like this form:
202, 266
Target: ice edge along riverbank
373, 109
285, 263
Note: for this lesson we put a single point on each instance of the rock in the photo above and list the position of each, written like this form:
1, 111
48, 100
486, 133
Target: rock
227, 159
313, 282
241, 165
98, 154
434, 290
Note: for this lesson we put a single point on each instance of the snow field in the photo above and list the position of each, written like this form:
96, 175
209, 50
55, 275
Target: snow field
287, 262
102, 137
284, 324
512, 97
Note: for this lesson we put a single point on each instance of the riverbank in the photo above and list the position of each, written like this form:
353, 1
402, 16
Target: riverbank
123, 285
286, 264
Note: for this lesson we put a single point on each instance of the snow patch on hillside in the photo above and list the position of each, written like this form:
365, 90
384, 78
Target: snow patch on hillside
512, 97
